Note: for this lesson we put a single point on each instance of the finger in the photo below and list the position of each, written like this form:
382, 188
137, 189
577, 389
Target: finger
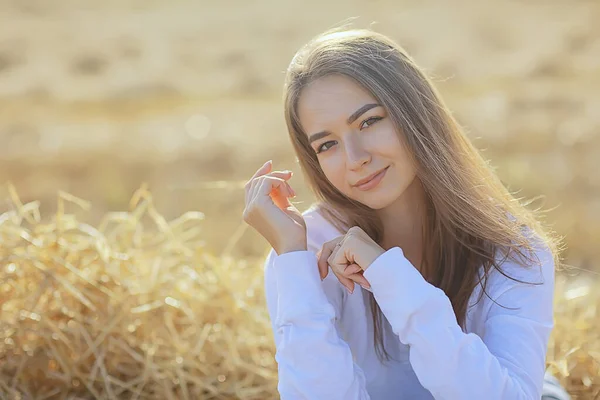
324, 254
339, 266
266, 167
319, 266
355, 273
287, 190
265, 185
285, 175
284, 191
281, 174
338, 259
356, 230
260, 192
345, 281
252, 189
263, 171
352, 269
360, 279
252, 182
349, 281
275, 190
350, 275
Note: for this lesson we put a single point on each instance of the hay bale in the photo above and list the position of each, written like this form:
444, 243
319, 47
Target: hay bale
574, 346
135, 308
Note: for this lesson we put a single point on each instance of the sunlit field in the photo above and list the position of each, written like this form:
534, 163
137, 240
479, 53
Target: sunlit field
128, 130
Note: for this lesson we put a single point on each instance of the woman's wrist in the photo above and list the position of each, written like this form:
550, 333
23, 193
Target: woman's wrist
292, 247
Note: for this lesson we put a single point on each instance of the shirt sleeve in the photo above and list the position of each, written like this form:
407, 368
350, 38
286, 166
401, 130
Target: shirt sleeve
506, 362
313, 361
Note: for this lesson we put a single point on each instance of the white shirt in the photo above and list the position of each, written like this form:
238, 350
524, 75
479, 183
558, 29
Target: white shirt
324, 335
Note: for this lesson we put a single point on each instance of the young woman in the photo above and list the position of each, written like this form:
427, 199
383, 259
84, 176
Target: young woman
456, 277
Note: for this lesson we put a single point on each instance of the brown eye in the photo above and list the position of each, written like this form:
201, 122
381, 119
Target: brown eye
321, 147
372, 119
370, 122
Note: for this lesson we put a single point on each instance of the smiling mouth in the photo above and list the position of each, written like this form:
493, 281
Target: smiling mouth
373, 181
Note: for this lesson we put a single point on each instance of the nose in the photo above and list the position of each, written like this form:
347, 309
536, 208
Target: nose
356, 154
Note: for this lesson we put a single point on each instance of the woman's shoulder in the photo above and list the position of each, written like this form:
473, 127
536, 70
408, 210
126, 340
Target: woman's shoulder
521, 286
533, 266
517, 271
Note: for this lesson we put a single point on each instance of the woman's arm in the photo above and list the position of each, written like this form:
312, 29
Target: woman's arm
313, 361
507, 362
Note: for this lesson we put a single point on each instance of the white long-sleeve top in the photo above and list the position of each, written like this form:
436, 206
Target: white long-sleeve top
324, 335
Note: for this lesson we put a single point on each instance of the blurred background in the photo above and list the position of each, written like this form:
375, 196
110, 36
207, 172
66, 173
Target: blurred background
99, 97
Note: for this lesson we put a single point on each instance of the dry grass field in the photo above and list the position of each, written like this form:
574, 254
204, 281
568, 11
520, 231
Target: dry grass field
100, 97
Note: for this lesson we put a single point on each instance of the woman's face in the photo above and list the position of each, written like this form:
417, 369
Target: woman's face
354, 138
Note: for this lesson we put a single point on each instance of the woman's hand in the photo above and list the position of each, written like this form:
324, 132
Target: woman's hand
269, 211
349, 257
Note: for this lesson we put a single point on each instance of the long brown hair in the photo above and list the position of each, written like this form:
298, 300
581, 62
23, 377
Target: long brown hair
471, 216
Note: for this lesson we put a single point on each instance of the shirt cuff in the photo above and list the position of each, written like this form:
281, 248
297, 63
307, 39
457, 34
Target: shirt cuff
398, 287
299, 286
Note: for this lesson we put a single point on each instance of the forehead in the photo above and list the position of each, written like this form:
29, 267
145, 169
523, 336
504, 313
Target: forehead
330, 100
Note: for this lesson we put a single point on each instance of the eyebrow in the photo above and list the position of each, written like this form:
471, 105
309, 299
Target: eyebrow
350, 120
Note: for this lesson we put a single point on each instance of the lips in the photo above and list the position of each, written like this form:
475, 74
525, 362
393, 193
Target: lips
368, 178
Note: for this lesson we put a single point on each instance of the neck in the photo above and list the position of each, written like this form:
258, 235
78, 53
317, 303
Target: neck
403, 222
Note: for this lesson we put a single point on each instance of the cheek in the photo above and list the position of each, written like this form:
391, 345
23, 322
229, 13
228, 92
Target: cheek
333, 168
393, 148
405, 171
389, 140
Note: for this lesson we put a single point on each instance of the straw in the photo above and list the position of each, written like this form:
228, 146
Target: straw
135, 308
138, 308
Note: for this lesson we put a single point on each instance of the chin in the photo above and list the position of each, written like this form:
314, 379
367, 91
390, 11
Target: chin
381, 205
377, 201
